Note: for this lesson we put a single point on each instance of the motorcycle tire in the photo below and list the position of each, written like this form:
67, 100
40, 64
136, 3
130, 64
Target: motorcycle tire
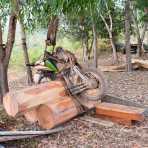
100, 92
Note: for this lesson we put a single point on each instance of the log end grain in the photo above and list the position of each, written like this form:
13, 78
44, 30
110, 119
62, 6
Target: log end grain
10, 105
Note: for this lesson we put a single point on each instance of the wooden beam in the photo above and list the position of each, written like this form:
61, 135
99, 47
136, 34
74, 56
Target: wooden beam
120, 112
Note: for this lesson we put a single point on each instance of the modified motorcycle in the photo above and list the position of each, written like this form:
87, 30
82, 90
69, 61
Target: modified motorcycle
87, 83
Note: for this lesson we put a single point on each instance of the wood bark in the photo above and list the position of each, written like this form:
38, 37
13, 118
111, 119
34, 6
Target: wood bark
95, 63
127, 36
5, 53
26, 56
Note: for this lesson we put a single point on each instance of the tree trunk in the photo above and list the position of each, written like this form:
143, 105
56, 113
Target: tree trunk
85, 47
1, 56
143, 33
139, 47
26, 57
3, 80
5, 53
109, 30
95, 63
115, 58
127, 36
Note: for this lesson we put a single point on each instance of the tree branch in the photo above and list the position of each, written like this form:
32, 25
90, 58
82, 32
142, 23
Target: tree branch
105, 22
110, 18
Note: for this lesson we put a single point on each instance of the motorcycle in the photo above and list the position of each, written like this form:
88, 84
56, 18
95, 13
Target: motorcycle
87, 83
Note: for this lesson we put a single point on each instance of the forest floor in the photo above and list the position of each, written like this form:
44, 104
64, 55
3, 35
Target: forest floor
131, 86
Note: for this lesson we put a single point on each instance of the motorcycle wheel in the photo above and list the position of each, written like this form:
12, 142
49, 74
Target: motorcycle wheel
99, 92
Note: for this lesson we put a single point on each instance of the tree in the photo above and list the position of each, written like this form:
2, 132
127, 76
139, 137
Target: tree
5, 53
127, 35
26, 56
109, 28
23, 39
137, 16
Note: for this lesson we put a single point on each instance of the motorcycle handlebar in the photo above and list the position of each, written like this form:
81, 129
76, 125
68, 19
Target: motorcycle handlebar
30, 64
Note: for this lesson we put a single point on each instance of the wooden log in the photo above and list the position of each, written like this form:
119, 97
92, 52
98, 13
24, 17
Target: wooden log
31, 115
26, 99
120, 113
136, 64
141, 63
112, 68
55, 113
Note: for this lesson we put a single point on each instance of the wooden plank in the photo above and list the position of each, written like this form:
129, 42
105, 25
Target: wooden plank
116, 100
115, 119
120, 111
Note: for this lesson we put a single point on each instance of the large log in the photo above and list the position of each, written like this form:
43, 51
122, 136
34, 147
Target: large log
26, 99
57, 112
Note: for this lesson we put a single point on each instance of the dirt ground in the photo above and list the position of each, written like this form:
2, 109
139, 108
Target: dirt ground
131, 86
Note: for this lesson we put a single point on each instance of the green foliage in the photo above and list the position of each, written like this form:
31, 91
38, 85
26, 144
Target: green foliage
4, 11
141, 5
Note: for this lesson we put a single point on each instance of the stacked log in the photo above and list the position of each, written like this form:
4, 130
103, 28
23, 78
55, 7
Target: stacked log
20, 101
46, 103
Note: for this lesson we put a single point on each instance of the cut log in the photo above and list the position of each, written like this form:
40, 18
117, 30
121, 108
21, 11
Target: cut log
141, 63
136, 64
26, 99
31, 115
57, 112
120, 113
